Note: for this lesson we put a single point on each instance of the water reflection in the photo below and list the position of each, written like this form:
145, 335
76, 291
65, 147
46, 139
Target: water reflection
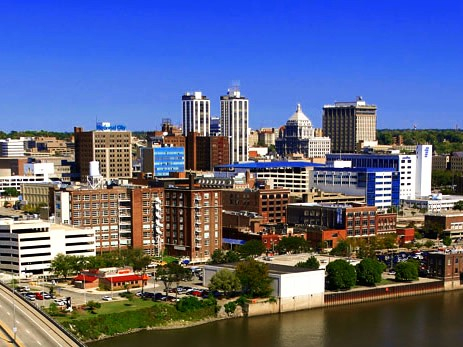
431, 320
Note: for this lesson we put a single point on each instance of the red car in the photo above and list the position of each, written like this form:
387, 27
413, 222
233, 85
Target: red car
196, 292
39, 296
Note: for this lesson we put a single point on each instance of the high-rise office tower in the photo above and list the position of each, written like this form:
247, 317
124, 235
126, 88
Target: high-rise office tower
215, 126
196, 114
109, 145
349, 125
234, 117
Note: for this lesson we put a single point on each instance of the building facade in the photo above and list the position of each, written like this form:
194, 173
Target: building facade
111, 148
298, 137
193, 222
121, 216
11, 148
234, 117
29, 246
196, 114
203, 153
160, 161
349, 124
381, 187
293, 175
268, 203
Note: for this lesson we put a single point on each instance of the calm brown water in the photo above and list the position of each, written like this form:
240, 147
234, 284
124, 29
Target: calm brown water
430, 320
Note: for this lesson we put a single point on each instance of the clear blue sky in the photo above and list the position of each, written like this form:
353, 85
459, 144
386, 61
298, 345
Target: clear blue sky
68, 63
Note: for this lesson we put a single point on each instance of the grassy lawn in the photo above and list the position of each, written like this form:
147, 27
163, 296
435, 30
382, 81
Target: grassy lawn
108, 308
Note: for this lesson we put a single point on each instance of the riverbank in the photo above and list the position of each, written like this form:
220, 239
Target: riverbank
164, 316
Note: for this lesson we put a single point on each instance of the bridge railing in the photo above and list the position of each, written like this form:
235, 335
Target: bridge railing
47, 316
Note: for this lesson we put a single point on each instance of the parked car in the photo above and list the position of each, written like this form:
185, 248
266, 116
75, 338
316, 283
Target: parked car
30, 296
159, 297
107, 298
196, 292
39, 296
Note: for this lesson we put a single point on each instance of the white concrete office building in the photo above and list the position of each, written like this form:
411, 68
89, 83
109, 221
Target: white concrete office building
29, 246
234, 117
196, 114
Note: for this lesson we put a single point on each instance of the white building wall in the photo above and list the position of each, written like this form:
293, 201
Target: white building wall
47, 241
301, 283
407, 169
423, 170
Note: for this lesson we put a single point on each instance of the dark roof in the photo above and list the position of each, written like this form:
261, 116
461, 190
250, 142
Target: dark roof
269, 165
275, 269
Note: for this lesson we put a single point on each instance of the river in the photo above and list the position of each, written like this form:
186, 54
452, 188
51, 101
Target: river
420, 321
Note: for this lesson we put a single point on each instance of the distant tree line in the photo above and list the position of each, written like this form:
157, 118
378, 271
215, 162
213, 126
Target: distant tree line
442, 140
35, 133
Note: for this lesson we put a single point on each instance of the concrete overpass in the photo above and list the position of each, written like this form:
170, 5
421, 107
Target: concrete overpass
25, 325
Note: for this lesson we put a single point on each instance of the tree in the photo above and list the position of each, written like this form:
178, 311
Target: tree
254, 279
61, 265
226, 281
251, 248
232, 257
218, 257
407, 270
311, 263
342, 249
10, 191
292, 244
369, 271
172, 273
447, 241
93, 305
458, 205
341, 275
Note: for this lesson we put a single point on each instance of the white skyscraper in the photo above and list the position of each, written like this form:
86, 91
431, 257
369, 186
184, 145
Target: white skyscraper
196, 114
234, 118
423, 170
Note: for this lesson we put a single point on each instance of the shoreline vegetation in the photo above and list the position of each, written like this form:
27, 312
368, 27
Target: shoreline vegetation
125, 317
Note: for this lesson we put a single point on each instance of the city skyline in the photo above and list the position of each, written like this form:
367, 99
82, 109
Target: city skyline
130, 63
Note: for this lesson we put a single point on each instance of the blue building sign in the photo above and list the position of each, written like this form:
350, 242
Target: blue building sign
168, 159
106, 126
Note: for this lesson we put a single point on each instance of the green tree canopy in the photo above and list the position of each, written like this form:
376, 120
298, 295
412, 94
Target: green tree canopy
458, 205
10, 191
369, 271
311, 263
251, 248
61, 265
340, 275
407, 270
292, 244
172, 273
226, 281
341, 249
253, 276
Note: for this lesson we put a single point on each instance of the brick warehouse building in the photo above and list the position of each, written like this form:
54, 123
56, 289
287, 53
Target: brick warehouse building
451, 224
268, 203
327, 224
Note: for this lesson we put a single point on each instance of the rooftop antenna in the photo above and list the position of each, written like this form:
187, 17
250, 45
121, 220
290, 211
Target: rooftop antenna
235, 87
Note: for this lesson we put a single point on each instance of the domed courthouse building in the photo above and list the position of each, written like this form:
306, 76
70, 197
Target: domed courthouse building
298, 137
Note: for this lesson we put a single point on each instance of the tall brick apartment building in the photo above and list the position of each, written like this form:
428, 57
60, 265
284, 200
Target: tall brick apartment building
121, 216
193, 222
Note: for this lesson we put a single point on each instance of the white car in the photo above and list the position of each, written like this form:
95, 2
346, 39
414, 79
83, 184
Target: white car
106, 298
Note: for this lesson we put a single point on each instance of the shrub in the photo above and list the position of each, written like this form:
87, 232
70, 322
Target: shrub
230, 307
187, 304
